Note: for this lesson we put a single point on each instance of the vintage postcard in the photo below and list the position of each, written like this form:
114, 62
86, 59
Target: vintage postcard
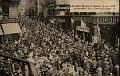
59, 37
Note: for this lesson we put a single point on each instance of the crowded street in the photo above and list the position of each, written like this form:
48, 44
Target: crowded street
59, 38
54, 53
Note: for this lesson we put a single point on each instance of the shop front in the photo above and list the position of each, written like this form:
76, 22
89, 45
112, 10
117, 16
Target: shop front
82, 31
110, 33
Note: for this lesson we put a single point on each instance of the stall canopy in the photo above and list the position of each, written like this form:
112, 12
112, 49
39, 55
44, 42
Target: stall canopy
9, 28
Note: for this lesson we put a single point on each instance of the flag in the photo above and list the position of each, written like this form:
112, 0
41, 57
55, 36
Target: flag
83, 24
83, 27
72, 21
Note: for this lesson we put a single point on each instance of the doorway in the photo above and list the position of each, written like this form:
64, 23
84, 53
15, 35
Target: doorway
109, 34
5, 7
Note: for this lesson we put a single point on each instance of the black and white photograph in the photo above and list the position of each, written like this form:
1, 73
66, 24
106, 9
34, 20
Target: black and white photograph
59, 37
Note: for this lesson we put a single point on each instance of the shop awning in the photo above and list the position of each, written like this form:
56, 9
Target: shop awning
9, 28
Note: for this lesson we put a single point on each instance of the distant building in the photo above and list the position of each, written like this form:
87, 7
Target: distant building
103, 26
8, 20
23, 6
58, 7
9, 9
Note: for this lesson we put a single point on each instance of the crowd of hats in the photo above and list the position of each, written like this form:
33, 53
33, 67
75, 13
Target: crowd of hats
55, 53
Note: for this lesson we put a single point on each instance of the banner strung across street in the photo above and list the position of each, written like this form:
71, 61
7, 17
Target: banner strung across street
94, 5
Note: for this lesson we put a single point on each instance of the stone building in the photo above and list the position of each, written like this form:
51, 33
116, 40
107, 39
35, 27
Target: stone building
9, 26
9, 9
103, 26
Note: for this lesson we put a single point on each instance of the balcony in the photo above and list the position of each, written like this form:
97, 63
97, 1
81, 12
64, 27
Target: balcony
62, 2
15, 0
11, 66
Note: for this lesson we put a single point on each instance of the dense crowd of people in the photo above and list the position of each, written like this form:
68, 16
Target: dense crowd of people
55, 53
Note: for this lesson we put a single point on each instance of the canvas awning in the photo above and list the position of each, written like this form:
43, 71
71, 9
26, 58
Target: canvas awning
9, 28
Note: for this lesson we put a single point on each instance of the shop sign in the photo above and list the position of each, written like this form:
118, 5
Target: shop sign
84, 29
94, 5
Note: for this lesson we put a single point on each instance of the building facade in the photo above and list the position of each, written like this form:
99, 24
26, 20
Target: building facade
9, 9
58, 7
103, 26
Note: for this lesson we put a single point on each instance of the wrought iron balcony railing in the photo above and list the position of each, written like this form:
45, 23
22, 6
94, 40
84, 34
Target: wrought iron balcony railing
10, 66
